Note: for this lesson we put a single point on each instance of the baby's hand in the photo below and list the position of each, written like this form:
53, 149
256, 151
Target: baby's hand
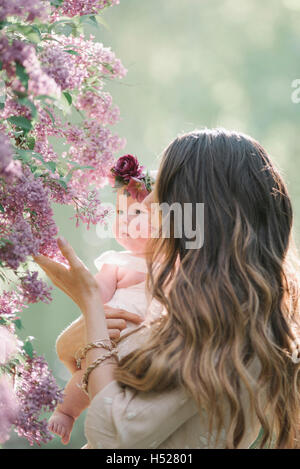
116, 320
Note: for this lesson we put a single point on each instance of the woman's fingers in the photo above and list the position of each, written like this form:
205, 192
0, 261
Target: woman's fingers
45, 263
119, 324
69, 253
122, 314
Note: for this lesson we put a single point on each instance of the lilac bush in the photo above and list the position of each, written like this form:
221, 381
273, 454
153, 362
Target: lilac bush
49, 71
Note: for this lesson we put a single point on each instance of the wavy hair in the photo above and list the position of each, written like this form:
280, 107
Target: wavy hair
234, 299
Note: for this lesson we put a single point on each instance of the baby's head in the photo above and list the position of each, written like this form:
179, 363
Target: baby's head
132, 227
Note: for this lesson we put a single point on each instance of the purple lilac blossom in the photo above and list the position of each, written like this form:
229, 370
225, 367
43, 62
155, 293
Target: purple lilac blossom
9, 345
8, 407
34, 289
28, 9
72, 8
37, 392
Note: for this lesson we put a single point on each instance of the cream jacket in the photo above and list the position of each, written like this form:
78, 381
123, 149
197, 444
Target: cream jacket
120, 417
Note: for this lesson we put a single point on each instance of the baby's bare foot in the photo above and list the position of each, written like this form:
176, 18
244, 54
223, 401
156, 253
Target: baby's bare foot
62, 425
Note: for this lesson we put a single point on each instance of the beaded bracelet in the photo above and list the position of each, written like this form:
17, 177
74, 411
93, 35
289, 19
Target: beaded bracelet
85, 378
81, 354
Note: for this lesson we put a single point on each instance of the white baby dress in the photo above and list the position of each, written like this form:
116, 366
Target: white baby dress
133, 298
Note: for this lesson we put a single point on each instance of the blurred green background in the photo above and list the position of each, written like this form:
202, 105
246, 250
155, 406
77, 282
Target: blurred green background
190, 64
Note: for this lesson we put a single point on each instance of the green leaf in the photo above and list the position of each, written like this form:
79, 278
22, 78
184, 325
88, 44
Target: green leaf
38, 157
2, 101
71, 51
51, 165
31, 143
20, 94
64, 26
22, 75
50, 115
100, 20
4, 23
43, 97
6, 241
108, 67
28, 348
56, 3
88, 19
47, 164
62, 183
18, 324
33, 34
62, 168
21, 122
68, 97
38, 173
77, 166
24, 155
2, 208
64, 105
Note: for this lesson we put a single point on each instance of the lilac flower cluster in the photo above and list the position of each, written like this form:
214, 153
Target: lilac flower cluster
11, 303
72, 8
94, 56
97, 149
28, 9
8, 345
9, 169
6, 153
64, 68
9, 407
99, 106
37, 392
20, 244
35, 234
25, 54
39, 79
90, 210
35, 290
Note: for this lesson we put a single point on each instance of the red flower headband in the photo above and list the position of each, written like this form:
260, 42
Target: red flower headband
128, 172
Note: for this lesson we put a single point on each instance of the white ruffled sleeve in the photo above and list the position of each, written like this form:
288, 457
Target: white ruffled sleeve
122, 259
104, 258
120, 417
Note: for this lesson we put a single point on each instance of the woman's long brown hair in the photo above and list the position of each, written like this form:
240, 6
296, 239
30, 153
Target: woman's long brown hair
232, 300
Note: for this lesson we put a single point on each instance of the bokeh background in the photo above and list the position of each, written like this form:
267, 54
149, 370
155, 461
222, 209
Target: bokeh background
191, 64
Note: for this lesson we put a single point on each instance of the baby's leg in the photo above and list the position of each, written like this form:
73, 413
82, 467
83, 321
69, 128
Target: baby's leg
75, 401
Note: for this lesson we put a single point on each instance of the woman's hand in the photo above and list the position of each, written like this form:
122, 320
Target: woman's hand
76, 281
72, 338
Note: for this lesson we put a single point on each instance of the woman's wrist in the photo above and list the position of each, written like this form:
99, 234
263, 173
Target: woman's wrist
95, 321
92, 302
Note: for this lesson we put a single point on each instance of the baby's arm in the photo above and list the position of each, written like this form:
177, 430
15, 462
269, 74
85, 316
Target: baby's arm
107, 279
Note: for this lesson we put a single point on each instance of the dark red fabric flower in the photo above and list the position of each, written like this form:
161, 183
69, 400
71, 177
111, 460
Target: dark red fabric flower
127, 167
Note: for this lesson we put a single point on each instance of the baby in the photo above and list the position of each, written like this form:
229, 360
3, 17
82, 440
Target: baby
121, 279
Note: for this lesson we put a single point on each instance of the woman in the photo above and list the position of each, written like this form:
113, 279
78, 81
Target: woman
222, 361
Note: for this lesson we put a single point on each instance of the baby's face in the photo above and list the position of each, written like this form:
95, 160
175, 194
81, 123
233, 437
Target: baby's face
131, 227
